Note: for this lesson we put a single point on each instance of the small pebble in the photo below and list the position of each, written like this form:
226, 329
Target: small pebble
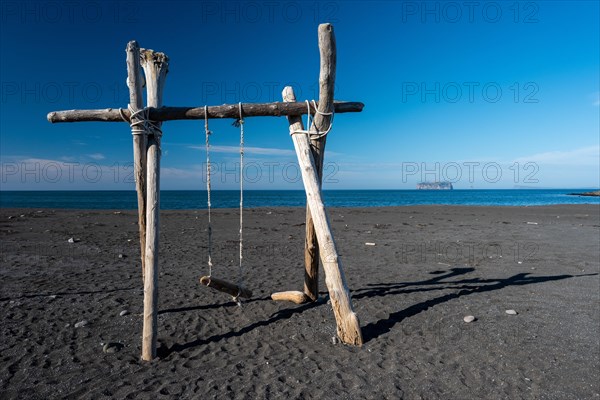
511, 312
81, 324
469, 318
71, 240
122, 255
369, 244
335, 340
124, 313
52, 296
532, 223
110, 348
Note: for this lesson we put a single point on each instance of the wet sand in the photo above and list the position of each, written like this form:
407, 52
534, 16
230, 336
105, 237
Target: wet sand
430, 267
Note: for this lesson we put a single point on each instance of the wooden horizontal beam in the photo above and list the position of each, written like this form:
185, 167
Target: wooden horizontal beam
276, 109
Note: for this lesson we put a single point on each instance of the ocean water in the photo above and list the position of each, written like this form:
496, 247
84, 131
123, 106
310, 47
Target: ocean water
189, 199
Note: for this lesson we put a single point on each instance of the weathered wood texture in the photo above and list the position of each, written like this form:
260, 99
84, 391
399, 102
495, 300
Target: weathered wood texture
176, 113
155, 67
348, 325
321, 122
136, 102
294, 296
226, 287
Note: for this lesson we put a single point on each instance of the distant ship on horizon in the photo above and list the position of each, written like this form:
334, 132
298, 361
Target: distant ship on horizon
434, 186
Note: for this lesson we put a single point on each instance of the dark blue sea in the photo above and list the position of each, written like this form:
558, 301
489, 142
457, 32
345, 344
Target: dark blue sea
186, 199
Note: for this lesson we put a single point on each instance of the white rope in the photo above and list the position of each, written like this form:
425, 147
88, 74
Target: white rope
140, 122
314, 134
240, 271
208, 190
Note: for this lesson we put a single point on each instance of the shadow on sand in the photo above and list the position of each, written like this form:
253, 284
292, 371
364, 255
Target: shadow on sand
165, 351
462, 287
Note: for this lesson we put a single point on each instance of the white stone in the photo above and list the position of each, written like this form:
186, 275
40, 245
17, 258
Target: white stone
81, 324
469, 318
511, 312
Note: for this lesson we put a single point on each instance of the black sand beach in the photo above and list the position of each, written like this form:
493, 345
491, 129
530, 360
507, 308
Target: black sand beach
429, 267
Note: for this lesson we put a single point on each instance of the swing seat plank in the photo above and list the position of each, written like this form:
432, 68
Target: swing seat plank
226, 287
294, 296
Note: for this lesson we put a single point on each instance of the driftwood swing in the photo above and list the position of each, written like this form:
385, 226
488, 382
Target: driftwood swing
235, 291
145, 124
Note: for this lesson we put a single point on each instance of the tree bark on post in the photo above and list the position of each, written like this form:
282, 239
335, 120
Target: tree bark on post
321, 122
155, 67
348, 325
136, 102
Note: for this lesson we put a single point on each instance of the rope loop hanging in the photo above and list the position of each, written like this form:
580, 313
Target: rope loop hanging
314, 134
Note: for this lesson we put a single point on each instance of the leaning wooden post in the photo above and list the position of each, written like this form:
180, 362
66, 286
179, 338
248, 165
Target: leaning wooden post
321, 123
155, 67
348, 325
136, 102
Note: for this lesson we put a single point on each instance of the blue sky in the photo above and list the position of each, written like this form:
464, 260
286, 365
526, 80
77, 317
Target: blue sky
484, 94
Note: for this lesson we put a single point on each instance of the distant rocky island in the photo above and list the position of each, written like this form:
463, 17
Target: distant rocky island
596, 193
434, 186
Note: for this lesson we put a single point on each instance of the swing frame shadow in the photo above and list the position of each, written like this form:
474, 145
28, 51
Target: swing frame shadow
374, 330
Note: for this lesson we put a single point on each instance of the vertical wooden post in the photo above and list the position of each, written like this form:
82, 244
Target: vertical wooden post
136, 102
348, 325
327, 50
155, 67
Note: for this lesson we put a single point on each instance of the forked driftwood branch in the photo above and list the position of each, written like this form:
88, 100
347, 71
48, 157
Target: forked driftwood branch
156, 66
